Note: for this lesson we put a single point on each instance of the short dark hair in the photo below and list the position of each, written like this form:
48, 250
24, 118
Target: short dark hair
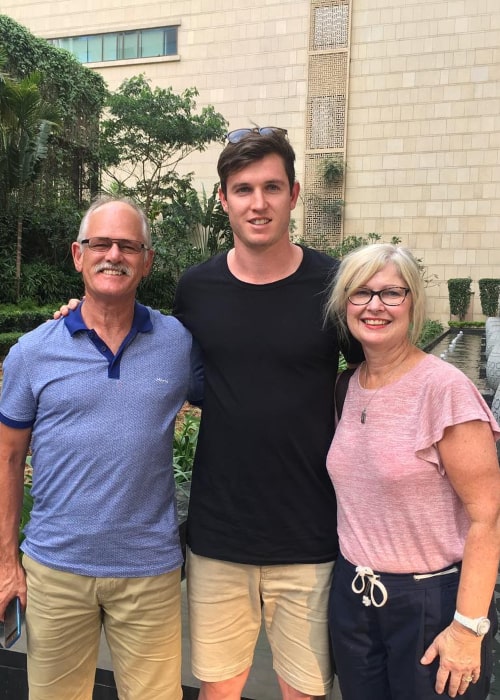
254, 147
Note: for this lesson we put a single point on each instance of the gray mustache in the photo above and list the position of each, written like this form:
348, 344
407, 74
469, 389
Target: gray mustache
123, 269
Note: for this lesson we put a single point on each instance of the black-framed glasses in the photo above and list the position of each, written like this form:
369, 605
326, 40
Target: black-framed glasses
101, 244
390, 296
238, 134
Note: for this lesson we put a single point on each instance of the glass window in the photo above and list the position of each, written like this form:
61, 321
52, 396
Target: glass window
94, 54
152, 42
115, 46
170, 41
129, 45
80, 48
109, 47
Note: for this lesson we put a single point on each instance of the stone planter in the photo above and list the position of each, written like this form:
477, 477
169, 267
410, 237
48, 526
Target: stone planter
493, 368
492, 339
491, 323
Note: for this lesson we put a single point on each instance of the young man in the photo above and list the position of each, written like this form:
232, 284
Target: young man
97, 394
262, 515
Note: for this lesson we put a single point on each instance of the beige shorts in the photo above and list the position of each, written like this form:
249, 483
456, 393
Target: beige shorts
141, 620
226, 603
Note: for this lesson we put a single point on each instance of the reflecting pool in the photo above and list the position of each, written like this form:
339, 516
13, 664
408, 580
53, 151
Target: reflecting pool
465, 350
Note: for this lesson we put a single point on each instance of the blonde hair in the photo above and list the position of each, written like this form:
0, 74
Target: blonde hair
360, 265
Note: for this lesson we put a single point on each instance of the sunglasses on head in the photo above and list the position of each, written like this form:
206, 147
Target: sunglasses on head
238, 134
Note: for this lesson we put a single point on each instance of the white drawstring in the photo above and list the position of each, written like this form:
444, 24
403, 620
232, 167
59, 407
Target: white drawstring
452, 570
368, 582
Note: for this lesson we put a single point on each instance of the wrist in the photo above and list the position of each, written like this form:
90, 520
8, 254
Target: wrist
478, 625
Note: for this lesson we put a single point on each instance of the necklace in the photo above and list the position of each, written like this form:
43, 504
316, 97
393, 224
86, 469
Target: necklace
365, 409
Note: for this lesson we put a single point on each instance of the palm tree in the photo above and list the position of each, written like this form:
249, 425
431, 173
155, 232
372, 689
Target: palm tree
26, 123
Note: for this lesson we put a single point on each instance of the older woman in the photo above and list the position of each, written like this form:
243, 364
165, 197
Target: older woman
416, 474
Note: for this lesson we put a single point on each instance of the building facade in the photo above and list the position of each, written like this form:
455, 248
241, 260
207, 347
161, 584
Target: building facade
403, 94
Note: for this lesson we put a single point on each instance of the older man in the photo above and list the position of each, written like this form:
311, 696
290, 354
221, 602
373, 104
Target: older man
96, 395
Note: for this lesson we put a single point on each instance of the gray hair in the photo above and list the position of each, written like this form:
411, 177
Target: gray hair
360, 265
107, 199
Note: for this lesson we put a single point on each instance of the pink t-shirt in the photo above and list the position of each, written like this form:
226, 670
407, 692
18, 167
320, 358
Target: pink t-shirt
397, 511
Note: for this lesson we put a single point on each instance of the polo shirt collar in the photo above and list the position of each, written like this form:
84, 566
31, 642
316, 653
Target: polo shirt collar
141, 322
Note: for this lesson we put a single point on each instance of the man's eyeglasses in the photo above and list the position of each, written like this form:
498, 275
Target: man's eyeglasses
100, 244
238, 134
391, 296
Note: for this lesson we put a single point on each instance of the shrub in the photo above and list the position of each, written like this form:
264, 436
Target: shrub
185, 439
27, 500
157, 289
7, 277
7, 340
351, 243
466, 324
489, 290
430, 331
47, 284
15, 319
459, 294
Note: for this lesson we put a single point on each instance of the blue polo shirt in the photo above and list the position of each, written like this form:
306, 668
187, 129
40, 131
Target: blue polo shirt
102, 431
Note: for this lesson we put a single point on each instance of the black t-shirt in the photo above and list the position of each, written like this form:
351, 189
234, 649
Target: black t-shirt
260, 492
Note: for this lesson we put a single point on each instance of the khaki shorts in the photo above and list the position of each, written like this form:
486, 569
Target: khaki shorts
141, 619
226, 602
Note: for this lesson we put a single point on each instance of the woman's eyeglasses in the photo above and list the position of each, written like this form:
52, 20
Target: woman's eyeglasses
391, 296
238, 134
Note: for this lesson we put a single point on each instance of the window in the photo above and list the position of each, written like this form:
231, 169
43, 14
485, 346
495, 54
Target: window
119, 46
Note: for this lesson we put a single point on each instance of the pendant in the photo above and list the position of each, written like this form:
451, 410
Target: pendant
363, 416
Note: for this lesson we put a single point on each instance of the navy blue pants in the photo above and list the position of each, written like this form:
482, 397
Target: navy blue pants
377, 651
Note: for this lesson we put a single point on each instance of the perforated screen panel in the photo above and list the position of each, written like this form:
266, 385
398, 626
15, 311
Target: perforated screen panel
326, 120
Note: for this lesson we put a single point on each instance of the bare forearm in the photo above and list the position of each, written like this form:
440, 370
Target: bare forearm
479, 569
13, 448
11, 498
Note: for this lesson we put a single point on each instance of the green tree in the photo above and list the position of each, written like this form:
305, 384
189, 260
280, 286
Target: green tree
71, 172
147, 134
26, 123
205, 223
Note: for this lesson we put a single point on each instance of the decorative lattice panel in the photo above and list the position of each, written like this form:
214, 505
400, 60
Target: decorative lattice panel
323, 204
330, 23
326, 119
327, 101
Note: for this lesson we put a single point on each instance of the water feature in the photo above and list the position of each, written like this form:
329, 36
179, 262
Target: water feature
466, 351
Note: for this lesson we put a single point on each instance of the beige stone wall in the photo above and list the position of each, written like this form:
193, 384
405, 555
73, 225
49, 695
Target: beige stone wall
248, 59
423, 120
423, 143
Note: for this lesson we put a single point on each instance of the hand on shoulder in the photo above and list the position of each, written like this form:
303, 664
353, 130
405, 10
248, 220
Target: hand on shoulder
65, 309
